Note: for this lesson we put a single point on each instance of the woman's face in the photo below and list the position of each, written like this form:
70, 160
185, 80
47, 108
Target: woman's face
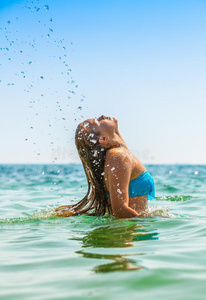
103, 126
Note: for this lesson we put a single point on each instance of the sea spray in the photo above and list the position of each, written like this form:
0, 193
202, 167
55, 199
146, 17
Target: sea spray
40, 63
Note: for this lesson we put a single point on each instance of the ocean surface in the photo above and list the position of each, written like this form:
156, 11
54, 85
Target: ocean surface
44, 257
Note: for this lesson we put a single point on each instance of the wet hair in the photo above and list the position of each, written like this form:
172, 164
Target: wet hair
92, 155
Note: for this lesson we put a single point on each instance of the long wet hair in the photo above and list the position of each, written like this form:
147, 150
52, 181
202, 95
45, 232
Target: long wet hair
92, 155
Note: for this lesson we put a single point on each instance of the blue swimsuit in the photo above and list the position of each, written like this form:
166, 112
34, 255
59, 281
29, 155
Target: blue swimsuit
141, 186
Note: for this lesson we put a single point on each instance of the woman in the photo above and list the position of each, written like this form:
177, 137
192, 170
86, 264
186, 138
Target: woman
117, 181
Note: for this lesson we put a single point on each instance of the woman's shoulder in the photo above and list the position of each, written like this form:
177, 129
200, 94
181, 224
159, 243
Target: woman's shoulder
123, 159
117, 155
117, 152
117, 165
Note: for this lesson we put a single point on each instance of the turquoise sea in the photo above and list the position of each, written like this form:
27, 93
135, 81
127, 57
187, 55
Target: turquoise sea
44, 257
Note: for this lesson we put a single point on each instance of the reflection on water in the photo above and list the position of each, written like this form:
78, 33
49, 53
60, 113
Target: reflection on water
120, 262
120, 236
110, 236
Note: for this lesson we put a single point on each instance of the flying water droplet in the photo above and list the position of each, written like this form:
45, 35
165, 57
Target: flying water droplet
46, 7
93, 141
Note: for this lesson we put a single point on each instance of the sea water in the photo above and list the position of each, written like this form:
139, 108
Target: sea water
45, 257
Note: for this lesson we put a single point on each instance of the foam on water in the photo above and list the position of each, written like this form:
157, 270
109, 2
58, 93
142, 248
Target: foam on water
46, 214
174, 198
160, 211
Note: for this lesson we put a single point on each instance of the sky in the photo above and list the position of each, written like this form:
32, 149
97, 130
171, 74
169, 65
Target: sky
142, 62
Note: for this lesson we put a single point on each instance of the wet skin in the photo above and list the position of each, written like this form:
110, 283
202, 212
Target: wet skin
121, 166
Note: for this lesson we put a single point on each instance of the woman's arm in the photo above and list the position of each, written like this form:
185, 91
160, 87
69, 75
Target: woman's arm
118, 173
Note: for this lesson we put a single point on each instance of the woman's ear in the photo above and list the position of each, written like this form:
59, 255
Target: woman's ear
103, 140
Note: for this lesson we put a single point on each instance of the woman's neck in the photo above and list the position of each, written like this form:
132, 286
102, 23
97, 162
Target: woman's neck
118, 141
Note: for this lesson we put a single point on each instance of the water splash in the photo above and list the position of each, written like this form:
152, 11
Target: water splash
31, 47
46, 7
175, 198
40, 215
159, 211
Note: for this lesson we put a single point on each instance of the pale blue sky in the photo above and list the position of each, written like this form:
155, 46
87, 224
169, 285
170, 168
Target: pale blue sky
143, 62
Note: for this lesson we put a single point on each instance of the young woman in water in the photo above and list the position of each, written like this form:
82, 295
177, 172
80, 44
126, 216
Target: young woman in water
118, 183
